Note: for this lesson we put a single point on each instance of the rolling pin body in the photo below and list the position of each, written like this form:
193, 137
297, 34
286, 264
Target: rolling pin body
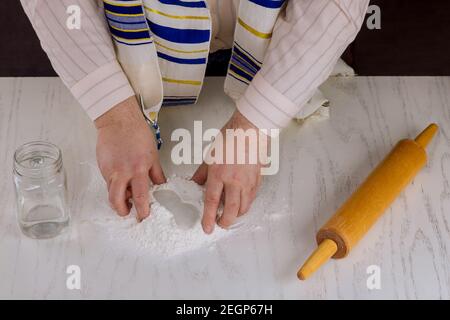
358, 214
355, 217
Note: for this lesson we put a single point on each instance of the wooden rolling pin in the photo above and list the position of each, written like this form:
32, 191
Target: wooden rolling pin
355, 217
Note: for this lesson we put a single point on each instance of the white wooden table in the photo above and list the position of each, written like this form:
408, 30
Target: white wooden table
321, 163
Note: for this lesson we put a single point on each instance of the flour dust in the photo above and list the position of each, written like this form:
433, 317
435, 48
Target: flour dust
174, 226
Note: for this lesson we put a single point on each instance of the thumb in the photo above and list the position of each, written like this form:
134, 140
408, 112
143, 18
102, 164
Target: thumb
201, 174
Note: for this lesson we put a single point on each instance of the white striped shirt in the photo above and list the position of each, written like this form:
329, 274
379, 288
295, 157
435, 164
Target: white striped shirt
308, 39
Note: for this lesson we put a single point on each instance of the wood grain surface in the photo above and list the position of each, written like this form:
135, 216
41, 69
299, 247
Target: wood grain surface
321, 164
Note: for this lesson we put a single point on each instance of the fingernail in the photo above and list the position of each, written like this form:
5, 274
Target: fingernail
208, 229
123, 213
220, 224
142, 218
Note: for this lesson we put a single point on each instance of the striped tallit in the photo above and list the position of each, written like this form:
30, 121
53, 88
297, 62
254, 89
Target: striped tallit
163, 46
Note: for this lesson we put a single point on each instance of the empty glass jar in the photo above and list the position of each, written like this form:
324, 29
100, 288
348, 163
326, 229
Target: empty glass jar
41, 190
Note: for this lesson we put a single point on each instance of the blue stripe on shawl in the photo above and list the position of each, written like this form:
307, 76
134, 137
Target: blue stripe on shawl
179, 99
240, 72
127, 26
248, 54
178, 102
123, 10
187, 4
247, 66
237, 52
132, 44
272, 4
231, 75
243, 65
181, 60
125, 20
179, 35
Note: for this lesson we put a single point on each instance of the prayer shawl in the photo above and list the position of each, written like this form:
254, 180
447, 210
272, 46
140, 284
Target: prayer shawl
163, 46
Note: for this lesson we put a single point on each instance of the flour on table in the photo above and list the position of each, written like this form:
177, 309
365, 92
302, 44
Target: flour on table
163, 233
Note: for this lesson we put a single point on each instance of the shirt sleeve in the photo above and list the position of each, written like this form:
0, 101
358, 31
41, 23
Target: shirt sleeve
307, 41
84, 58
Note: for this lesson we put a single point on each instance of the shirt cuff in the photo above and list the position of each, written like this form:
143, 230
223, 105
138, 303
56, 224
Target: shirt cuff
102, 89
265, 106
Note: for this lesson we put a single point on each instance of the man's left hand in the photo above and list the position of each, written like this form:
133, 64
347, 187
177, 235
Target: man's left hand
236, 184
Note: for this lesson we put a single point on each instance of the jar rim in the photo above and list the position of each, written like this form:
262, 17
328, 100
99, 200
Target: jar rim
49, 168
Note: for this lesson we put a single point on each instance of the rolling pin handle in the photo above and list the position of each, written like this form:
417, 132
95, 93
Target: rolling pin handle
426, 135
326, 249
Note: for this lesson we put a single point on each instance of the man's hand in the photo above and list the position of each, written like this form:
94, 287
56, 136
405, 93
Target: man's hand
237, 184
127, 156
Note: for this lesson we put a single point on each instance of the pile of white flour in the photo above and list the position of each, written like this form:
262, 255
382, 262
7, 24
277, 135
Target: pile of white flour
165, 233
161, 234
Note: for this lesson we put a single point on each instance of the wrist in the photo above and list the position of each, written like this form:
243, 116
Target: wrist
239, 121
125, 112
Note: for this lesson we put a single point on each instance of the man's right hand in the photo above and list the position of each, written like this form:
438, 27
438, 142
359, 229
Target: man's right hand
127, 157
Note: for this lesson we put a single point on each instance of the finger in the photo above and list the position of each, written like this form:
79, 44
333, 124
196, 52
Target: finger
201, 174
246, 201
231, 207
117, 196
212, 199
127, 191
157, 174
128, 195
141, 198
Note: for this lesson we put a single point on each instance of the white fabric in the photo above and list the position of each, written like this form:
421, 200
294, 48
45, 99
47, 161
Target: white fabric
308, 38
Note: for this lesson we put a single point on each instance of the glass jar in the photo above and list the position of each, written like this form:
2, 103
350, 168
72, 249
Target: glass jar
41, 190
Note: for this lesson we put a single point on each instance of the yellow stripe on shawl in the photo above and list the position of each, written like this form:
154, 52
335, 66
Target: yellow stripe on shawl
180, 51
175, 16
131, 40
124, 30
125, 14
244, 71
254, 31
191, 82
122, 4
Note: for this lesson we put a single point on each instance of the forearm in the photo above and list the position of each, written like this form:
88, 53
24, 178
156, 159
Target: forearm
306, 44
83, 58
